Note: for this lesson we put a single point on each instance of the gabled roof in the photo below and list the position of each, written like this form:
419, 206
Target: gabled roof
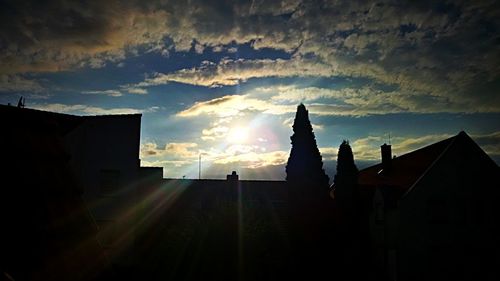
407, 169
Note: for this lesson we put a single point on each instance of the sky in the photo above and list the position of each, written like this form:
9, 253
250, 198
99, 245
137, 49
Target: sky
220, 81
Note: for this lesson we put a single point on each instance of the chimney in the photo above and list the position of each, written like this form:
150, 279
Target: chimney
233, 176
386, 152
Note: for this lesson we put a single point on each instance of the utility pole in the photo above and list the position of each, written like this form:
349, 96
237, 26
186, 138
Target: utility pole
199, 166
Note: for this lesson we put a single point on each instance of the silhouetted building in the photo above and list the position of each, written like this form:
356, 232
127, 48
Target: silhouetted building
105, 156
149, 201
102, 153
435, 212
206, 193
47, 231
217, 229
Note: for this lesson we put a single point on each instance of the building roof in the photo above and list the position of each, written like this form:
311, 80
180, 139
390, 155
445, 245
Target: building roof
407, 169
64, 123
29, 118
275, 189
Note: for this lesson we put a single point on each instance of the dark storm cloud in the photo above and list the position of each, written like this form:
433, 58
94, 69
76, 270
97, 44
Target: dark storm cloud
447, 49
57, 35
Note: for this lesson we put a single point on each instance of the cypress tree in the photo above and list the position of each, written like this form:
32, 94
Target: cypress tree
305, 165
309, 201
352, 218
347, 174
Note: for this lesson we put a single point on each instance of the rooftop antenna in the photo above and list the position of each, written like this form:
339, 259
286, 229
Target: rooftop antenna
389, 138
199, 164
21, 102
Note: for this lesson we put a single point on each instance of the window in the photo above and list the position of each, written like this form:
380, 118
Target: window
109, 181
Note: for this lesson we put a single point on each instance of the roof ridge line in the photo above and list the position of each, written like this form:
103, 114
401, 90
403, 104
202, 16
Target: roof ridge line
430, 166
409, 153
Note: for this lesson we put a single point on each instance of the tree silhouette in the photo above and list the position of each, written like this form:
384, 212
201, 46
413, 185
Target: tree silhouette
351, 211
305, 165
308, 203
347, 174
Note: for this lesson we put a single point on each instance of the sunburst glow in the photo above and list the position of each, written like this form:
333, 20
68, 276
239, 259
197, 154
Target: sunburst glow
238, 135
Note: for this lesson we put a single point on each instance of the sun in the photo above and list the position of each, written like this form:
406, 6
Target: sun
237, 135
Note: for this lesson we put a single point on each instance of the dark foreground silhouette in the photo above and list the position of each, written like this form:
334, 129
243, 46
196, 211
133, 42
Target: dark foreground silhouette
431, 214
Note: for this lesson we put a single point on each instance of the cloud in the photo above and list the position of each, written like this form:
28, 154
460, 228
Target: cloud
138, 91
163, 163
111, 93
213, 133
211, 106
175, 157
176, 150
81, 109
362, 101
18, 83
254, 159
489, 142
328, 153
181, 149
288, 122
344, 101
230, 72
368, 148
117, 93
446, 51
150, 149
63, 34
402, 146
179, 154
416, 87
233, 105
367, 100
245, 156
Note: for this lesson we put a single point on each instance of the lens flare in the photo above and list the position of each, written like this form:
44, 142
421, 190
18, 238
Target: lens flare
238, 135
